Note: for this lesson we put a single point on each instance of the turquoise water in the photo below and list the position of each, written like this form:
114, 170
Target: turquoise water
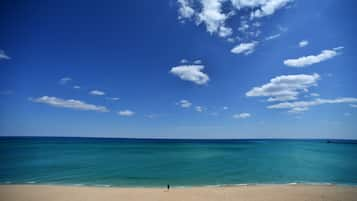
129, 162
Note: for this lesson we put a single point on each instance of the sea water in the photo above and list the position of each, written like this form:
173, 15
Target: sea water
153, 163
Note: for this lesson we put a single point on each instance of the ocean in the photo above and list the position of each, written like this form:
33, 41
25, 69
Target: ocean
180, 163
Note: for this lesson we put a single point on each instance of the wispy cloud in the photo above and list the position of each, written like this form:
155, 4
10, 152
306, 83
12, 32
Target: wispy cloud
70, 103
76, 87
112, 98
198, 61
242, 115
3, 55
301, 106
97, 93
192, 73
273, 37
184, 103
303, 43
312, 59
199, 109
183, 61
244, 48
126, 113
65, 80
285, 87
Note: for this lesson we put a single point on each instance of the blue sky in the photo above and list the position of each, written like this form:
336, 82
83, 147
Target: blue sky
179, 69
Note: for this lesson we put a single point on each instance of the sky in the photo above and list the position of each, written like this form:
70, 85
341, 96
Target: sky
179, 69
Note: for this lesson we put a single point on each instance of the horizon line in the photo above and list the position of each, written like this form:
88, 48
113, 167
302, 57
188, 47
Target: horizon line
162, 138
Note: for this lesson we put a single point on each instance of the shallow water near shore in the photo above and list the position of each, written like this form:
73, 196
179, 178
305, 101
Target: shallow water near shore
152, 163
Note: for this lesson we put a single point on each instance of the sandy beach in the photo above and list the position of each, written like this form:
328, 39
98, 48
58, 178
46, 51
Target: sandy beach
246, 193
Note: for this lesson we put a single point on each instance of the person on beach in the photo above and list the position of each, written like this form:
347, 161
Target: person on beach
168, 187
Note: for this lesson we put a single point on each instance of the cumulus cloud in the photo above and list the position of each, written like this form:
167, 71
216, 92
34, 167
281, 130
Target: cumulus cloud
214, 17
303, 43
242, 115
97, 93
65, 80
3, 55
266, 7
184, 103
126, 113
70, 103
305, 105
312, 59
192, 73
185, 10
285, 87
244, 48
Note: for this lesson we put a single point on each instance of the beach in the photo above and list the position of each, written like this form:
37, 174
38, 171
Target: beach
246, 193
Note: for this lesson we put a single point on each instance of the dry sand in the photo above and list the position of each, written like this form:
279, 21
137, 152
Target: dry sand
244, 193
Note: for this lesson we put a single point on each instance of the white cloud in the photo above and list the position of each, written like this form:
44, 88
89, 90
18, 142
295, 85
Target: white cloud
76, 87
242, 115
304, 105
285, 87
185, 10
298, 110
212, 14
267, 7
244, 48
112, 98
338, 48
70, 103
314, 94
126, 113
3, 55
191, 73
303, 43
213, 17
65, 80
312, 59
199, 108
354, 105
185, 103
272, 37
225, 108
198, 61
97, 93
183, 61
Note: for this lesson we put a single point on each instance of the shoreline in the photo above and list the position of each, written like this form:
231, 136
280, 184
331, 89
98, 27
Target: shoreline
34, 183
277, 192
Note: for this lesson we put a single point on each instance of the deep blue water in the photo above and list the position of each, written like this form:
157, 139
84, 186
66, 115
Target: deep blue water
131, 162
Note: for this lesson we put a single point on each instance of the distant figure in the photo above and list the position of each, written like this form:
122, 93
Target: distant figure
168, 187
